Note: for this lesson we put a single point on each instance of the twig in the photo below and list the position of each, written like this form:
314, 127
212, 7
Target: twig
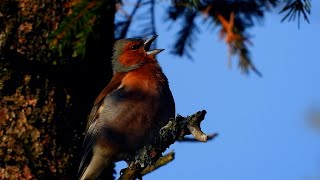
129, 173
125, 29
161, 162
188, 139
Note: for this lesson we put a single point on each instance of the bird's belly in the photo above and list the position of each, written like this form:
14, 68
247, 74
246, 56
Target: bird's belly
134, 124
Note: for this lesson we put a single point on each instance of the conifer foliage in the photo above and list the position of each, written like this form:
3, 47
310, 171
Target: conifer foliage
233, 17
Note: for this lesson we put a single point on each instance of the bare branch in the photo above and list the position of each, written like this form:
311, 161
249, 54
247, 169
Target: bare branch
129, 173
194, 126
149, 158
161, 162
209, 137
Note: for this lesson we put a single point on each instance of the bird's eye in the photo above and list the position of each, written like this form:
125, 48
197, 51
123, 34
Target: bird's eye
135, 47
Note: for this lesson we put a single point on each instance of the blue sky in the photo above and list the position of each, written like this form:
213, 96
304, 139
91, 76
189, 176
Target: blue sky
262, 126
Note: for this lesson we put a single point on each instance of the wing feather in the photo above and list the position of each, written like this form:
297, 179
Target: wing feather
93, 128
113, 85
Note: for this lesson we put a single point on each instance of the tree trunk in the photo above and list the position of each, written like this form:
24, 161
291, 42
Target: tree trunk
46, 96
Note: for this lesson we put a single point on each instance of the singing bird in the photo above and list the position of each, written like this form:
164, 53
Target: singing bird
130, 110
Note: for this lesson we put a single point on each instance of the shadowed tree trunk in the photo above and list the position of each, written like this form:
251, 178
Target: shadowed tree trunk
46, 96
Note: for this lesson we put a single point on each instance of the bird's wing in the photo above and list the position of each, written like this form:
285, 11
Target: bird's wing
92, 126
89, 140
113, 85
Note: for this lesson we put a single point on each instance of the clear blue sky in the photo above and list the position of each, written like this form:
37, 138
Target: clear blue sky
262, 126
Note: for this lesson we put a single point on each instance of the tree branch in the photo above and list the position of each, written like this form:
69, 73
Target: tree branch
129, 173
161, 162
149, 158
189, 139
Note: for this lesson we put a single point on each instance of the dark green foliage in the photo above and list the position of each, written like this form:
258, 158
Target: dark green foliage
247, 13
75, 29
294, 9
245, 62
122, 27
186, 35
139, 21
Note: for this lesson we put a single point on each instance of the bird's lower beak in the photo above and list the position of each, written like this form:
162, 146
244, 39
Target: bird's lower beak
147, 45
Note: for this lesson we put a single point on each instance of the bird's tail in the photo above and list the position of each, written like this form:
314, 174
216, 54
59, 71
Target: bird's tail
97, 164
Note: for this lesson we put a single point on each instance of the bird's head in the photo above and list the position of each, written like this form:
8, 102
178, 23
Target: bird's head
130, 53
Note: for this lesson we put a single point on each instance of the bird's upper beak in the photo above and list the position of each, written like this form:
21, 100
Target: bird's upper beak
147, 45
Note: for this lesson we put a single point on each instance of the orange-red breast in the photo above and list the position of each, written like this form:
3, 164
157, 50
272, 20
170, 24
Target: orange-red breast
130, 110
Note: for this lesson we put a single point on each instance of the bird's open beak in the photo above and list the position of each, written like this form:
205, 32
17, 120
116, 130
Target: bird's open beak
147, 45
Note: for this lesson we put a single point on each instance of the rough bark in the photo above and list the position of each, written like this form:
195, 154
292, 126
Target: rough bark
46, 96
